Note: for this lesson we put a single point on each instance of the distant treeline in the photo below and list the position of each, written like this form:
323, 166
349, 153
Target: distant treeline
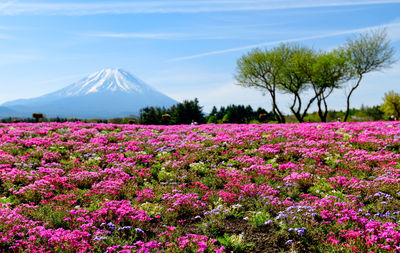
365, 113
57, 119
190, 112
183, 113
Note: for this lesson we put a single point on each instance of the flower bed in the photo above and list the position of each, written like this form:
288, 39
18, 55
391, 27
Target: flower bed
76, 187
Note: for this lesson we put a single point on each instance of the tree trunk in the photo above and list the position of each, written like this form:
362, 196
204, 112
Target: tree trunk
318, 94
308, 106
320, 113
299, 115
296, 112
278, 115
325, 112
348, 98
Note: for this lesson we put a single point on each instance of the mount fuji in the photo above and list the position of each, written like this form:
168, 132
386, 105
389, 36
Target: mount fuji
108, 93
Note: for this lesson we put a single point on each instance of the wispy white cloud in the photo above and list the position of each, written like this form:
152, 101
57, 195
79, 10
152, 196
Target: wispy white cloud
219, 31
394, 33
157, 36
148, 7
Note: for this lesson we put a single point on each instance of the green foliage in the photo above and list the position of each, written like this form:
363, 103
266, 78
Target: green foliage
260, 218
152, 115
212, 119
236, 243
391, 104
187, 112
369, 52
126, 120
10, 199
293, 69
183, 113
329, 71
293, 79
51, 215
164, 176
239, 114
261, 69
372, 113
37, 116
364, 113
200, 168
366, 53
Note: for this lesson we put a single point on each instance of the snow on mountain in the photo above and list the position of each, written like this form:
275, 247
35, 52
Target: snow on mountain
107, 93
106, 80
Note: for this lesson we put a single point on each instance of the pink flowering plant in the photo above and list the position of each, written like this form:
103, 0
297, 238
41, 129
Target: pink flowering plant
76, 187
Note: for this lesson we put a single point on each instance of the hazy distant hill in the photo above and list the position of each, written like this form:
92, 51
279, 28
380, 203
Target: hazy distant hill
8, 112
105, 94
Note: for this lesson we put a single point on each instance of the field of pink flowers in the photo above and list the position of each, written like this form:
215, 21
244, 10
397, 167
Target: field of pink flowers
210, 188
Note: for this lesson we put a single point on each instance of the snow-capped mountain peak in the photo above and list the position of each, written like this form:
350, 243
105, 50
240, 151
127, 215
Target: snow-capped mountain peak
106, 80
108, 93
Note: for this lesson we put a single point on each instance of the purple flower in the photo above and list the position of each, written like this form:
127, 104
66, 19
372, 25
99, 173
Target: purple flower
100, 238
268, 222
137, 230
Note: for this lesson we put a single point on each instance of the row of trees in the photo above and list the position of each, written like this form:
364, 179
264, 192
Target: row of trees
294, 69
388, 110
239, 114
183, 113
190, 112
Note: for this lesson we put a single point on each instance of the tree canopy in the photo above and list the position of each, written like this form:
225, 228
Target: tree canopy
391, 104
368, 52
261, 69
295, 69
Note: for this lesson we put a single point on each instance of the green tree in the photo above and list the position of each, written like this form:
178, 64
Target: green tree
212, 119
221, 113
37, 116
261, 69
186, 112
293, 78
294, 69
149, 116
214, 111
391, 104
263, 116
370, 113
366, 53
238, 114
327, 72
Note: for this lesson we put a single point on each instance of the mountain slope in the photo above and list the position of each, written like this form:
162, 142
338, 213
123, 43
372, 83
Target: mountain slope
7, 112
105, 94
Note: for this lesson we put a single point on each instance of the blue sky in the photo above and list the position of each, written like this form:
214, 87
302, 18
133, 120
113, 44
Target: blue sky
185, 49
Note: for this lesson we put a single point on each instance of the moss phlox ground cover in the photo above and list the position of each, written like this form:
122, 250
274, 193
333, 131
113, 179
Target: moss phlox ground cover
76, 187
